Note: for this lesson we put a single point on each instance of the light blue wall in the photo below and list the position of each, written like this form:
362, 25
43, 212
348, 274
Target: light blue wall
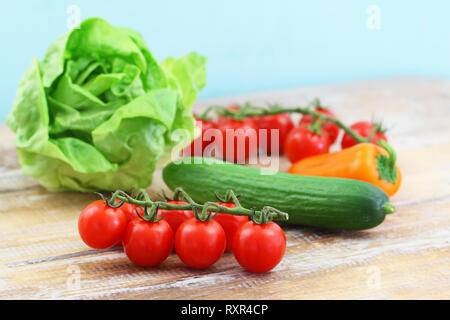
251, 45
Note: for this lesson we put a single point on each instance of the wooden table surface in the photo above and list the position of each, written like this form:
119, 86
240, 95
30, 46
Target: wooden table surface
406, 257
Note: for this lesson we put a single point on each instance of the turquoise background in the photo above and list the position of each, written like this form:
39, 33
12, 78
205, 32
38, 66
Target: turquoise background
251, 45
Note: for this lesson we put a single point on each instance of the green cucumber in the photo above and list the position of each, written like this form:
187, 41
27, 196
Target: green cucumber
331, 203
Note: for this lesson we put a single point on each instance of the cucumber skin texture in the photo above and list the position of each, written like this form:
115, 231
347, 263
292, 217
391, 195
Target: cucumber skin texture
331, 203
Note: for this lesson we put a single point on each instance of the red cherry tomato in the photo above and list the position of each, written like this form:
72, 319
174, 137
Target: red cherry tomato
230, 224
198, 146
147, 243
259, 247
331, 129
282, 122
240, 140
175, 217
200, 244
101, 226
364, 128
301, 143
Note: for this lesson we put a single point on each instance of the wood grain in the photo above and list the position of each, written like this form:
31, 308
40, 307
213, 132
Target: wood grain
407, 257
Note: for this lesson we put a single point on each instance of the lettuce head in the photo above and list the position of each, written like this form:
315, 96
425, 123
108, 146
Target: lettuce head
98, 111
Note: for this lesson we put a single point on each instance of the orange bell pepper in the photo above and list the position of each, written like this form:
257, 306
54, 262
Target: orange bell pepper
365, 161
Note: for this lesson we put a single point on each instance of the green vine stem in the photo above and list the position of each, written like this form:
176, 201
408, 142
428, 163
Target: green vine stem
203, 212
250, 110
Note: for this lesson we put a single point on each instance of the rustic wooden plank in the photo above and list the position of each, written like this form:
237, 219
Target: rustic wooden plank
402, 258
405, 257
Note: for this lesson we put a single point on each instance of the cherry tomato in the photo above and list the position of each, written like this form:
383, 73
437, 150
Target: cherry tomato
199, 244
259, 247
301, 143
101, 226
282, 122
230, 224
364, 128
331, 129
242, 140
175, 217
202, 141
147, 243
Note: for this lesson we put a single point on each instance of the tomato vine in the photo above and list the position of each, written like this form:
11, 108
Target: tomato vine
203, 212
249, 110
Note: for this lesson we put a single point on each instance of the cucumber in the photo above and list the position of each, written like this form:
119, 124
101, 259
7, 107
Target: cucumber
332, 203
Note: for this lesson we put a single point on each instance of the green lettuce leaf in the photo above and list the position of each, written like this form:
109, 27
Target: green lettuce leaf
99, 111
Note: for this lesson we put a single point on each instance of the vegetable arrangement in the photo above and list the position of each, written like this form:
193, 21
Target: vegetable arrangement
312, 193
331, 203
307, 145
200, 233
99, 110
